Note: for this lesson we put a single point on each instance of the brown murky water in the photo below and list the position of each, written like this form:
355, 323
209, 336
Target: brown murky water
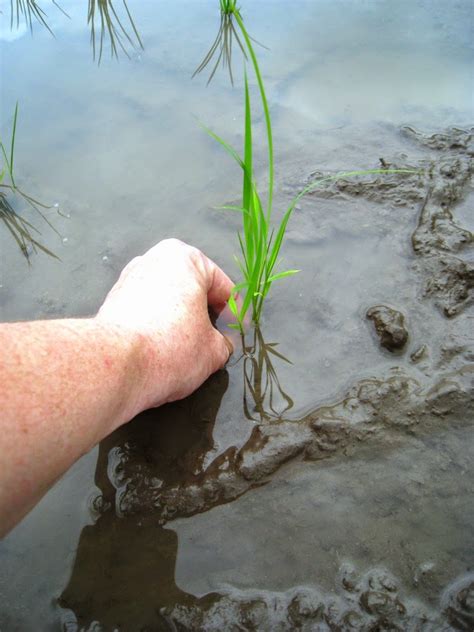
343, 499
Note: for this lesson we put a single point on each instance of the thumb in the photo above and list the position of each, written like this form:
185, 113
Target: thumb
222, 349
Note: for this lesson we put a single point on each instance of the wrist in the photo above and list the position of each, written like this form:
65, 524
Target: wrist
140, 366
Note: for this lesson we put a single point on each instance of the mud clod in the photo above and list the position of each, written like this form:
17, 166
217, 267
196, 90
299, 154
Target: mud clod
458, 603
390, 326
419, 354
438, 239
395, 189
381, 604
454, 139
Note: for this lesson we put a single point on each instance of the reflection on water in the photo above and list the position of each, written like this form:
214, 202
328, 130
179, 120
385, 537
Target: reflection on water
103, 18
125, 574
124, 568
220, 51
120, 34
30, 12
23, 232
264, 398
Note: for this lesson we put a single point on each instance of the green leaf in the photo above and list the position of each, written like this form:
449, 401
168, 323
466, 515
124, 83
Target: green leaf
229, 149
233, 306
229, 207
282, 275
247, 184
279, 238
266, 110
12, 145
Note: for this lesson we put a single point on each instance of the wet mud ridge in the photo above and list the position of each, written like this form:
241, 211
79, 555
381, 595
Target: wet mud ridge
375, 410
444, 248
438, 239
371, 602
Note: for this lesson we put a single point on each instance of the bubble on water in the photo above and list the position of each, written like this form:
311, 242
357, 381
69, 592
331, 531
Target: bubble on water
56, 205
65, 240
105, 258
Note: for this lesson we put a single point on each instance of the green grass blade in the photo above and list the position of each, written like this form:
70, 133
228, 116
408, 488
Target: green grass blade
282, 275
279, 238
5, 157
231, 207
247, 184
12, 145
229, 149
266, 110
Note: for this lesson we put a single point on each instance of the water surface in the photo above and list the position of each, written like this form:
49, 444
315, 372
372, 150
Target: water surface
119, 148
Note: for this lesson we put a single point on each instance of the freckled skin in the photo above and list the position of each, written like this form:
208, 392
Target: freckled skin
66, 384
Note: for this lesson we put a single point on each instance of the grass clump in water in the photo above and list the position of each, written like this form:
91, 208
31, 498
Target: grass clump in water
23, 232
260, 240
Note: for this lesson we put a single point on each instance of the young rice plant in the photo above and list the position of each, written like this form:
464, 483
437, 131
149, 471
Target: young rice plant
260, 240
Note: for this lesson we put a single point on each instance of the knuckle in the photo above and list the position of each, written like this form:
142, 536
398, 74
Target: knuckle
172, 242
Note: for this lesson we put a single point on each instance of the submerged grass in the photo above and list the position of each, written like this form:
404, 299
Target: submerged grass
260, 240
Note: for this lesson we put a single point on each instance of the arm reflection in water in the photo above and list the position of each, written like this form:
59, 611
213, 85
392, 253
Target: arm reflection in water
124, 571
159, 467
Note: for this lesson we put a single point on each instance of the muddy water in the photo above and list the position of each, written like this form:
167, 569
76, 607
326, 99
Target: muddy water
345, 501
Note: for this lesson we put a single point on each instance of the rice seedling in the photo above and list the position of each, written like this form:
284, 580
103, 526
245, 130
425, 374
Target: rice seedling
23, 232
260, 240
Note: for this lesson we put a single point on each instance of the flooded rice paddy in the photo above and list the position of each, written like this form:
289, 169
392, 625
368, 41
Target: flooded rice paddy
329, 487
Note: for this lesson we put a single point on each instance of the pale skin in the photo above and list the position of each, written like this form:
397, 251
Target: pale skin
67, 384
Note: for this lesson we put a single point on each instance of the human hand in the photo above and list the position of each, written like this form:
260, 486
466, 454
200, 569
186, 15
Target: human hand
161, 299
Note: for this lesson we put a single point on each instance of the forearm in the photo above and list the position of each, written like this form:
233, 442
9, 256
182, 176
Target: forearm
65, 385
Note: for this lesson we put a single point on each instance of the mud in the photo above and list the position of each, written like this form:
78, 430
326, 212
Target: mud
442, 182
165, 465
390, 326
158, 470
375, 411
373, 601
